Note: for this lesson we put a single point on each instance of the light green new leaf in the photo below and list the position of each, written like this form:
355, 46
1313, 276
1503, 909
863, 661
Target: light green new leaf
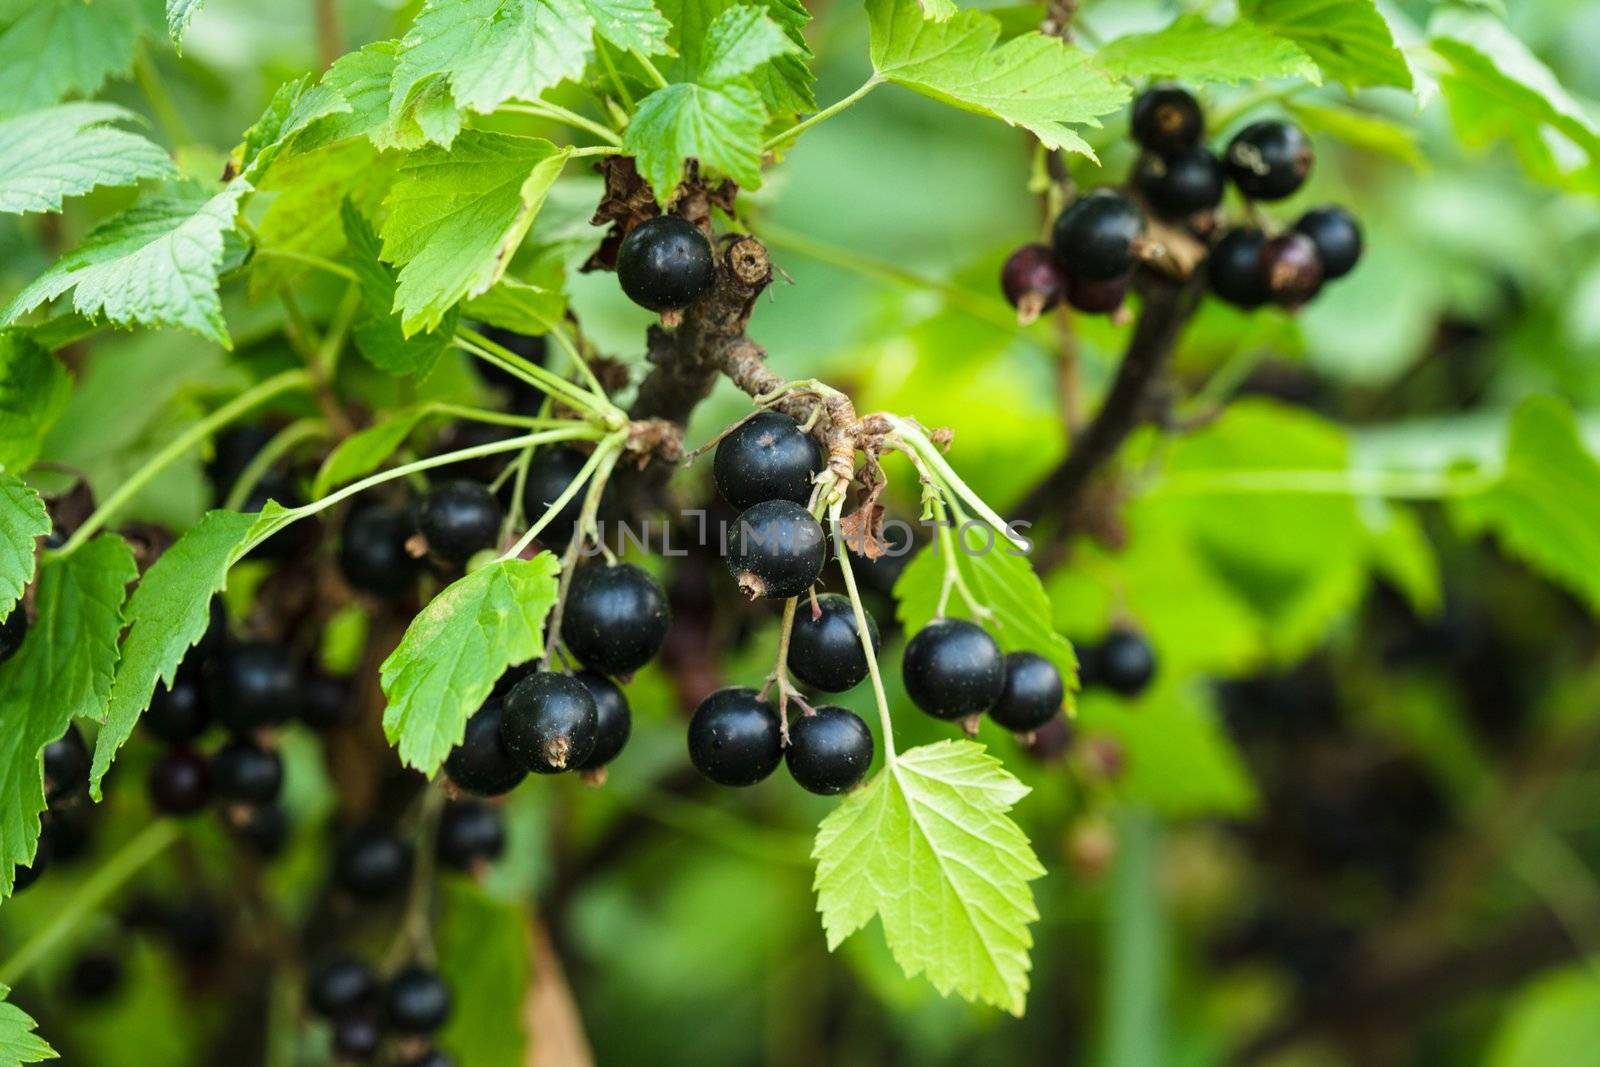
719, 126
928, 848
456, 648
457, 215
378, 333
62, 671
294, 107
18, 1042
179, 15
1360, 129
47, 156
304, 192
1033, 81
360, 453
1547, 1018
154, 265
521, 306
783, 82
34, 390
23, 520
484, 947
1194, 49
59, 48
362, 80
741, 39
1349, 39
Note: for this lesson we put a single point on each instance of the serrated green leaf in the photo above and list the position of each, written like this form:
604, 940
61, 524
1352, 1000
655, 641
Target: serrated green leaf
1194, 49
362, 80
484, 945
928, 848
179, 15
48, 156
1349, 39
58, 48
361, 453
783, 82
378, 333
520, 306
294, 107
719, 126
34, 389
305, 192
741, 39
18, 1042
1033, 81
23, 520
62, 671
456, 648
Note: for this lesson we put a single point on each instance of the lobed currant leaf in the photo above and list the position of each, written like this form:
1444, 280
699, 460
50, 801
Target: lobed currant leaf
64, 151
1195, 49
1349, 39
23, 520
34, 390
378, 333
19, 1043
60, 48
720, 126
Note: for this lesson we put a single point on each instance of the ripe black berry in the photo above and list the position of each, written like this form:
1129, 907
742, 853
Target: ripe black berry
372, 552
1032, 693
480, 763
953, 668
616, 618
1125, 662
829, 751
549, 723
95, 977
1179, 185
459, 519
327, 702
665, 263
1032, 281
357, 1036
178, 714
254, 685
1167, 119
1094, 236
417, 1001
245, 772
12, 631
549, 474
735, 737
470, 833
767, 457
1269, 160
372, 864
615, 720
1337, 235
341, 985
776, 550
66, 766
180, 782
1098, 298
1235, 268
1290, 269
266, 829
825, 648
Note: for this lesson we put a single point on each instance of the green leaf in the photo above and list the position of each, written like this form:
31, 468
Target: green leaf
378, 333
362, 80
34, 389
741, 39
721, 127
1194, 49
154, 265
784, 82
1546, 1020
304, 192
62, 671
1349, 39
18, 1042
179, 14
1033, 81
457, 215
23, 520
928, 848
1360, 129
58, 48
520, 306
361, 453
457, 647
294, 107
47, 156
483, 953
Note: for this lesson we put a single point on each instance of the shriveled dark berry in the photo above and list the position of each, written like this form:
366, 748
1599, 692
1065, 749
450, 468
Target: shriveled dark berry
471, 832
252, 685
615, 720
1032, 281
340, 985
825, 647
66, 766
180, 782
953, 668
459, 519
1098, 298
767, 457
1269, 160
1291, 269
616, 618
372, 864
246, 772
178, 713
1167, 119
665, 263
416, 1001
776, 550
735, 737
829, 750
1094, 236
1032, 693
550, 723
480, 763
12, 632
1179, 185
1337, 235
1125, 662
1234, 268
372, 551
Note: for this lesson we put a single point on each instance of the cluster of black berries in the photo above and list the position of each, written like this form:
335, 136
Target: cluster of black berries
408, 1009
953, 670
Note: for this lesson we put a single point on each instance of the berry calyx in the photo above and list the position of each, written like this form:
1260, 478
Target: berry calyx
247, 773
1125, 663
340, 985
829, 750
1098, 298
372, 864
66, 766
549, 723
665, 263
776, 550
1032, 281
1234, 268
1094, 236
1337, 235
254, 685
1269, 160
1291, 269
735, 738
549, 473
1181, 184
178, 713
614, 724
766, 457
180, 782
372, 552
1167, 119
616, 618
459, 519
416, 1001
12, 632
480, 763
1031, 695
825, 647
953, 668
471, 833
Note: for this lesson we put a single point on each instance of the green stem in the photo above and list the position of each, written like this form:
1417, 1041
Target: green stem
649, 68
309, 260
1135, 958
824, 115
280, 445
546, 110
842, 550
332, 347
498, 418
595, 150
1400, 485
596, 404
605, 455
949, 480
614, 74
578, 361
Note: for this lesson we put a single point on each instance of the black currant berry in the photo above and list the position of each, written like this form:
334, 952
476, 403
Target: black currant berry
735, 737
953, 668
372, 551
95, 977
417, 1001
776, 550
616, 618
340, 985
459, 519
549, 474
1032, 281
550, 723
614, 724
327, 703
1125, 662
231, 452
1337, 235
1094, 236
254, 685
1098, 298
1269, 160
66, 766
196, 929
1179, 185
266, 829
480, 763
1032, 693
471, 833
1291, 269
356, 1036
767, 457
180, 782
825, 647
178, 713
665, 263
1167, 119
1235, 268
12, 631
372, 864
245, 772
829, 750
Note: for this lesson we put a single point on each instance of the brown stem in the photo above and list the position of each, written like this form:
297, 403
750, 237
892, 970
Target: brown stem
330, 37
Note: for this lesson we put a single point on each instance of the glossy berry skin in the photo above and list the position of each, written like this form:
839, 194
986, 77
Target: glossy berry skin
178, 714
12, 631
1337, 235
829, 751
372, 552
340, 985
1179, 185
245, 772
1098, 298
953, 668
1125, 663
1032, 281
665, 263
417, 1001
66, 766
180, 782
470, 833
459, 519
254, 685
326, 703
1291, 269
550, 723
1094, 236
1269, 160
480, 763
735, 738
357, 1036
825, 647
616, 618
1032, 693
549, 474
1234, 268
767, 457
776, 550
614, 724
372, 864
1167, 119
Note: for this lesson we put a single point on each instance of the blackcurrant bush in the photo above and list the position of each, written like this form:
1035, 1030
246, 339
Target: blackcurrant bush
471, 832
767, 457
1291, 269
66, 766
1125, 662
1032, 693
247, 773
178, 713
1167, 119
480, 763
825, 647
1032, 281
665, 263
1234, 268
1098, 298
266, 829
180, 782
615, 720
372, 864
253, 685
372, 551
735, 737
12, 631
459, 519
1269, 160
1179, 185
550, 723
549, 474
340, 985
416, 1001
95, 977
356, 1036
829, 750
776, 550
1337, 235
616, 618
1094, 236
327, 702
953, 668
